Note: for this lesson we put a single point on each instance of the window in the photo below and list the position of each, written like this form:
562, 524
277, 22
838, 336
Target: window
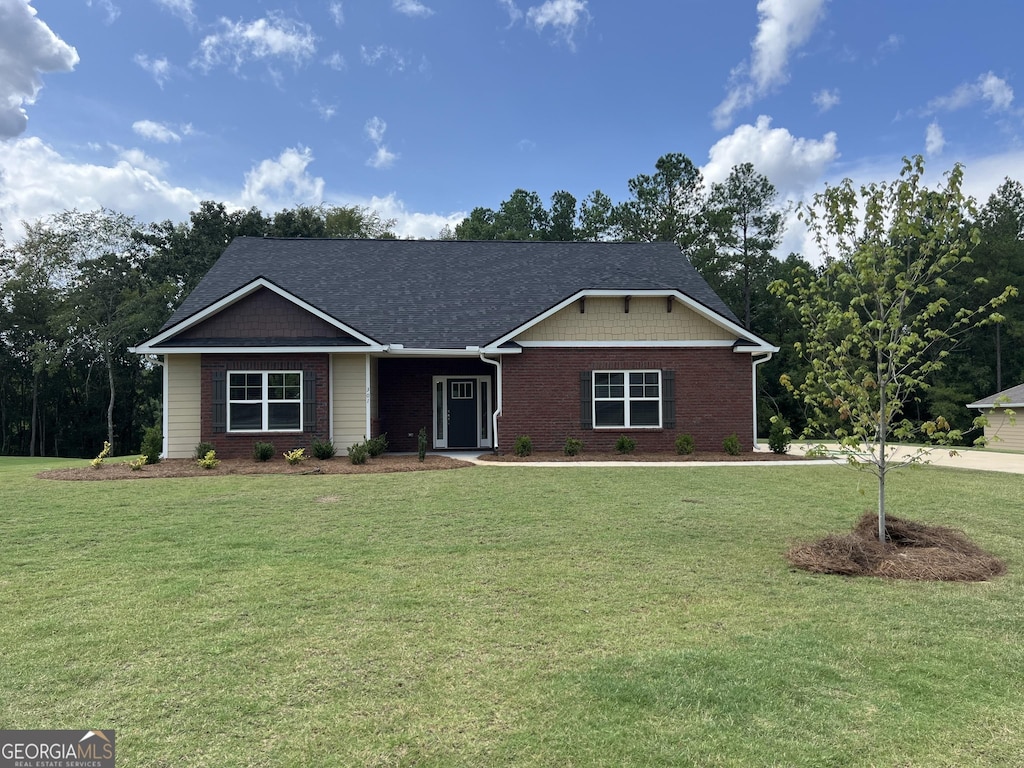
265, 401
627, 398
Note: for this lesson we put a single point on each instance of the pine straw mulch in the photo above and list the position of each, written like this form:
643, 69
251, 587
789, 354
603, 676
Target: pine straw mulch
339, 465
913, 551
662, 456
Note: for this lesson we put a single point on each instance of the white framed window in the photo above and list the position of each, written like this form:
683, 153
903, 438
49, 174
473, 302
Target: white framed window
264, 401
627, 399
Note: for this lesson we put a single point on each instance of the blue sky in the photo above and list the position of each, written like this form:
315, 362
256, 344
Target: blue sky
425, 109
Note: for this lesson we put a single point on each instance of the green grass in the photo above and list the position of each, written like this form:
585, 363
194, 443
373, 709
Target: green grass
504, 616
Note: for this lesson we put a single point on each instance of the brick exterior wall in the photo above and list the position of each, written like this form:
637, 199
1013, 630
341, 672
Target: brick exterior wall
239, 445
541, 396
406, 395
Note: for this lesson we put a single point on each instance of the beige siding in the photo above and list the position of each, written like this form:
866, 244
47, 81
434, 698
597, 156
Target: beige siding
605, 319
1003, 435
349, 375
183, 401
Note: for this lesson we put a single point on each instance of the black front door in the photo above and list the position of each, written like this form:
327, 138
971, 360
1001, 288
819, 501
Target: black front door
462, 411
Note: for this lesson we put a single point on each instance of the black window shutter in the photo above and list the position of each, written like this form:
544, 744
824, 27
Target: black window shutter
220, 401
586, 398
668, 399
309, 401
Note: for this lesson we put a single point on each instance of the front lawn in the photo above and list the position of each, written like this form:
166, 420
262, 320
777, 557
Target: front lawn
634, 616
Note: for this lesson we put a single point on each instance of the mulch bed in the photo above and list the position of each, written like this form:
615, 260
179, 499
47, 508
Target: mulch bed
339, 465
913, 551
627, 457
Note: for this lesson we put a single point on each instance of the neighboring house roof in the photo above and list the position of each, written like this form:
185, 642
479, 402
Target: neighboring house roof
1008, 398
444, 294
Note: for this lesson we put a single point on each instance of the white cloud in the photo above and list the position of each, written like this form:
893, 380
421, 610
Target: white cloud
337, 14
392, 59
326, 111
271, 37
514, 14
988, 88
409, 223
335, 61
564, 16
934, 140
412, 8
160, 69
185, 9
28, 48
784, 26
148, 129
36, 181
826, 99
284, 182
107, 6
139, 159
382, 158
792, 164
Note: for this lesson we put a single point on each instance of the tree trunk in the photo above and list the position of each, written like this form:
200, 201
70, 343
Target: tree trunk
110, 404
35, 415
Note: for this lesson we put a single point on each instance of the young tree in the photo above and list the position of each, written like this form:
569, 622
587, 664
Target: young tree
665, 206
876, 321
596, 217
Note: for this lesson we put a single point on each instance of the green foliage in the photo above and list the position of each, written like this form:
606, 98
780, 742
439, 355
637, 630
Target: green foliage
421, 443
202, 449
878, 323
152, 444
685, 445
779, 437
731, 445
376, 446
358, 453
573, 446
295, 456
98, 461
136, 464
625, 444
262, 451
323, 449
209, 460
523, 446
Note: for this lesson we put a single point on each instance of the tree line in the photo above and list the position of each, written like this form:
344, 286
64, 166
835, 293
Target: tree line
80, 288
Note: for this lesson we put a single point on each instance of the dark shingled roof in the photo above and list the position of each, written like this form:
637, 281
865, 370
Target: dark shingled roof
444, 294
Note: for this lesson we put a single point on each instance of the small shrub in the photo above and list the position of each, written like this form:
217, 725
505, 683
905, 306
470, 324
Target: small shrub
98, 461
779, 435
152, 444
296, 456
731, 445
421, 444
209, 460
323, 449
523, 446
625, 444
359, 453
202, 449
685, 445
138, 463
573, 446
377, 445
262, 451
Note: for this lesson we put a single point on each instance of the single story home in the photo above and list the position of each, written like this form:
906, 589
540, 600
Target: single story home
290, 339
1003, 430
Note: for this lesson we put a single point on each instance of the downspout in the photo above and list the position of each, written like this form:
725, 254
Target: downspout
366, 404
164, 421
753, 385
497, 397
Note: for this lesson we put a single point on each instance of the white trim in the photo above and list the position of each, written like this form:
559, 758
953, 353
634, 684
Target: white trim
368, 397
626, 399
265, 402
682, 298
250, 350
497, 398
238, 295
753, 394
400, 351
630, 344
489, 441
165, 419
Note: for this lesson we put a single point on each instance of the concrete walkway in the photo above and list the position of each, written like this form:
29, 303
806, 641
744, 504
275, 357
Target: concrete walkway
976, 459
